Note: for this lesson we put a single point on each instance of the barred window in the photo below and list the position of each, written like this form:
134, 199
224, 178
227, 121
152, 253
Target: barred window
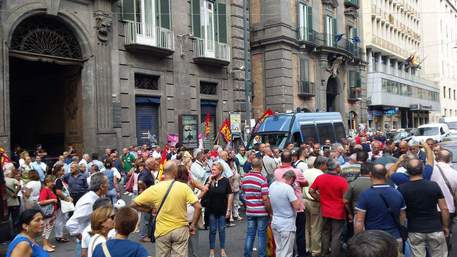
208, 88
149, 82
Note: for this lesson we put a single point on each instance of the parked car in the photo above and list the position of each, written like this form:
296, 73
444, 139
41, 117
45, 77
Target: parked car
451, 122
437, 131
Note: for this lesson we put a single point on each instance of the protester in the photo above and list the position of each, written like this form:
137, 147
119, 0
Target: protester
357, 187
76, 181
172, 229
39, 167
284, 204
61, 190
299, 183
381, 207
46, 200
198, 168
101, 222
219, 198
258, 207
83, 208
124, 222
241, 158
446, 178
34, 185
269, 164
87, 234
329, 189
24, 245
426, 226
313, 227
113, 180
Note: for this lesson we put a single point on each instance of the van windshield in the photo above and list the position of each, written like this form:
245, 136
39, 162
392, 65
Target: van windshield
428, 131
274, 139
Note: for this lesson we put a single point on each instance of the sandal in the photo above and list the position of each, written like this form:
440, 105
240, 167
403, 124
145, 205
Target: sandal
49, 250
62, 240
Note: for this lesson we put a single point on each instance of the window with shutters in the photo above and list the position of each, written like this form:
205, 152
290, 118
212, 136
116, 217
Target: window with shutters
209, 27
148, 22
305, 16
353, 40
330, 31
355, 85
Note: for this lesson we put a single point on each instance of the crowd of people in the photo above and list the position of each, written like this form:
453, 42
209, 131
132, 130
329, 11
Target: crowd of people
365, 196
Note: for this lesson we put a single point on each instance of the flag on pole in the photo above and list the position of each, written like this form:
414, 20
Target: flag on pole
163, 160
338, 37
267, 113
207, 128
271, 246
225, 131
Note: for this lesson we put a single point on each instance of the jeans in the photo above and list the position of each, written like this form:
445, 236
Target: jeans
144, 224
112, 194
216, 223
259, 225
78, 248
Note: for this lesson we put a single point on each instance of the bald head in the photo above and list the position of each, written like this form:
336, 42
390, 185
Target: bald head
415, 167
286, 157
170, 169
445, 155
379, 172
403, 146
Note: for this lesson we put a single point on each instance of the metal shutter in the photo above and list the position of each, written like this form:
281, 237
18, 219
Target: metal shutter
147, 123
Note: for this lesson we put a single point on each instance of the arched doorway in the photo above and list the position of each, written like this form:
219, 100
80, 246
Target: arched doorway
332, 94
45, 85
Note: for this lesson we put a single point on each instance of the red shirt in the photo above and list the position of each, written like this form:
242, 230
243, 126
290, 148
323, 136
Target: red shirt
46, 194
331, 188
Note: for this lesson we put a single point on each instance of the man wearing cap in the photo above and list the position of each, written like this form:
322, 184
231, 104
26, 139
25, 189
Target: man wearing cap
329, 190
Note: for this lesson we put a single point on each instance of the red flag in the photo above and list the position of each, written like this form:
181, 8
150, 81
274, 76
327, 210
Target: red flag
267, 113
271, 246
4, 158
225, 131
163, 160
207, 128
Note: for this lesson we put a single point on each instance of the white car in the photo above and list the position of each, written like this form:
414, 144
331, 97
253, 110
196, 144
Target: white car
436, 131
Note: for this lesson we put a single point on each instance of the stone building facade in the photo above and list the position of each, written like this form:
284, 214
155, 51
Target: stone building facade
307, 55
107, 74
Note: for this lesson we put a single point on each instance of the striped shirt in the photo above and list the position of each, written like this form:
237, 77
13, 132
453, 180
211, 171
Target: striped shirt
255, 186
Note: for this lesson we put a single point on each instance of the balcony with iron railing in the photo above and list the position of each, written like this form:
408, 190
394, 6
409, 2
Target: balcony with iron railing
211, 52
147, 38
306, 89
306, 35
329, 42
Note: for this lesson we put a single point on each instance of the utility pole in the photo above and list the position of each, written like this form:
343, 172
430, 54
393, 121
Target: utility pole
247, 63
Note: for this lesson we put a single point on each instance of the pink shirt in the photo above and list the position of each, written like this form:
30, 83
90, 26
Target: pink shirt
279, 172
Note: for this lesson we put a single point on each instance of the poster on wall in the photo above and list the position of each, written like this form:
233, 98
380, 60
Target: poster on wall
235, 124
188, 130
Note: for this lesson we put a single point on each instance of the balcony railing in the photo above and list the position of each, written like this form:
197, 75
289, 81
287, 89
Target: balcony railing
355, 93
327, 40
306, 88
144, 36
304, 34
211, 51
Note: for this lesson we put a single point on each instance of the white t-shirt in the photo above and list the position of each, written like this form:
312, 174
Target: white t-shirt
36, 187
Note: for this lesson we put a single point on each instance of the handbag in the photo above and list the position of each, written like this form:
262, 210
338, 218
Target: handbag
66, 207
403, 230
47, 210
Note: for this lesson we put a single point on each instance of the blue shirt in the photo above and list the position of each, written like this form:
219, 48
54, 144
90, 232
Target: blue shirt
121, 248
41, 172
281, 197
377, 215
78, 184
399, 177
37, 251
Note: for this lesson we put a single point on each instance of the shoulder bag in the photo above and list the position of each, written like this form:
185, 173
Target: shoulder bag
403, 230
161, 204
448, 185
105, 250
